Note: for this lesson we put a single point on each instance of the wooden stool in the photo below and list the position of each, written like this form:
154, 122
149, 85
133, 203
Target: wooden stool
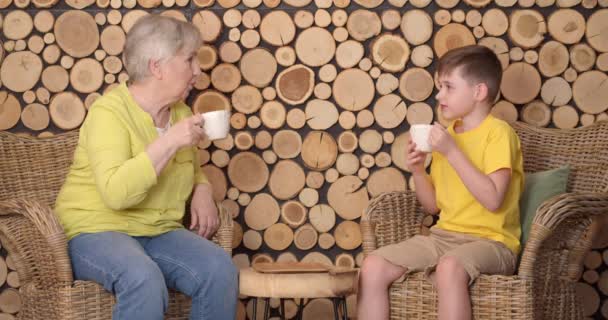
299, 281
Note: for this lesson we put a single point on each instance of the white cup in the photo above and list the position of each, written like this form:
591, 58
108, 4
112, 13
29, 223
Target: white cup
420, 134
217, 124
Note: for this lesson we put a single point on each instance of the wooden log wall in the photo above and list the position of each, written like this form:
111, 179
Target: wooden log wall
322, 95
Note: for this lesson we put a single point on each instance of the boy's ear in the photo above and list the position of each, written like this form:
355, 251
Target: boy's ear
481, 92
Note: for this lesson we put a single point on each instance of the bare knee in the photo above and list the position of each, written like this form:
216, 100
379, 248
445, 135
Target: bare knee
378, 270
373, 265
450, 269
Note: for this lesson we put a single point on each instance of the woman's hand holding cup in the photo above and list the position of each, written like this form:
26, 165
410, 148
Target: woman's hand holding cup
189, 131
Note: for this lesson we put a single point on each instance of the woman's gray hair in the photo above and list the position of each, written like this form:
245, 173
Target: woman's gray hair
159, 38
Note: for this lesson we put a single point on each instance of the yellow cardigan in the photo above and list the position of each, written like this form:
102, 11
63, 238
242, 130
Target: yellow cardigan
112, 185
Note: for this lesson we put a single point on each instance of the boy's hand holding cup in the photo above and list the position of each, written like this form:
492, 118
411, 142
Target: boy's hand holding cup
418, 147
440, 139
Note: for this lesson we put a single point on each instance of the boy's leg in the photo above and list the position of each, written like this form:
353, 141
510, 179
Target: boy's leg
200, 269
453, 289
376, 276
119, 263
459, 267
386, 265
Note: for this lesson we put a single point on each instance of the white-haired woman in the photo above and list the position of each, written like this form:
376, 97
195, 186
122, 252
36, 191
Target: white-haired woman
134, 168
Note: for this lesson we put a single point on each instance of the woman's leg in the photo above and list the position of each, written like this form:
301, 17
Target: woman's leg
119, 263
200, 269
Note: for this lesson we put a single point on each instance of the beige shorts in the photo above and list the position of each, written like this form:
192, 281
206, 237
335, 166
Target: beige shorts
477, 255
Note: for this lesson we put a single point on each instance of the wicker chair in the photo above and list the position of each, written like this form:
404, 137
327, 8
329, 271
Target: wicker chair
544, 285
31, 173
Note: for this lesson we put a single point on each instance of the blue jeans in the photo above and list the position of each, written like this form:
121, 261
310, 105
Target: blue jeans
138, 271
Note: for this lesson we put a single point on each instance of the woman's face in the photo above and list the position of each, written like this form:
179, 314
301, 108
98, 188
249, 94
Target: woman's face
180, 73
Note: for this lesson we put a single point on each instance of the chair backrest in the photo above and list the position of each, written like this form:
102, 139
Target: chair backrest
584, 149
34, 168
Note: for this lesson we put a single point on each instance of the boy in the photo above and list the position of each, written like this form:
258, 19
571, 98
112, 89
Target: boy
475, 183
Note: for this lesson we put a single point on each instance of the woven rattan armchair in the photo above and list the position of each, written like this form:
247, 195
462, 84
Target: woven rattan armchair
544, 284
31, 173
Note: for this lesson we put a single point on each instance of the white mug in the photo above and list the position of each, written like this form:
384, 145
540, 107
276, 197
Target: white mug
217, 124
419, 133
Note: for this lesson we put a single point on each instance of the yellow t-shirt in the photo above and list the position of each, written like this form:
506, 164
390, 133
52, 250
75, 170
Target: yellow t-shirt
112, 185
491, 146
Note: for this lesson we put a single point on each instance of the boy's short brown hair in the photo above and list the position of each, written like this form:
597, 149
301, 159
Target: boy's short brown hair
477, 64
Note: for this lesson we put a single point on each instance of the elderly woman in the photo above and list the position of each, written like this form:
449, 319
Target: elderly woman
134, 168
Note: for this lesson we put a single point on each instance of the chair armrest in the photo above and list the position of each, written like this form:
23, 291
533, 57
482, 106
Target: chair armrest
390, 218
224, 234
561, 235
35, 239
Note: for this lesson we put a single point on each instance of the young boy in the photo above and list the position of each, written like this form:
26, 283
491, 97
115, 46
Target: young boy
475, 183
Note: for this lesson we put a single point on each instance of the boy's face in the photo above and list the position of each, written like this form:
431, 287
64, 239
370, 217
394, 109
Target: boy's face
457, 97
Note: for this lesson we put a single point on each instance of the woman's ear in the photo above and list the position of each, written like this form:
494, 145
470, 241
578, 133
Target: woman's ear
154, 66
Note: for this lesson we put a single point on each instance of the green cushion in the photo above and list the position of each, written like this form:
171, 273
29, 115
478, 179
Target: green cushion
539, 187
